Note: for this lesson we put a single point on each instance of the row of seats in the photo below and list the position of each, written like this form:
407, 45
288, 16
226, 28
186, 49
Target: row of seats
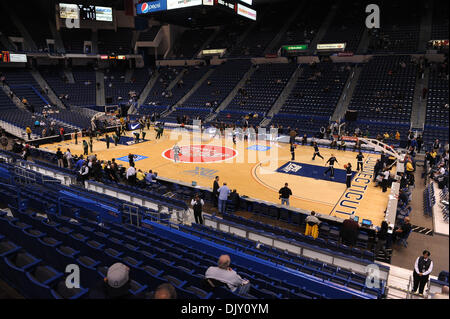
263, 88
328, 235
23, 84
343, 28
385, 89
116, 87
429, 200
437, 114
82, 92
308, 266
219, 84
189, 78
154, 260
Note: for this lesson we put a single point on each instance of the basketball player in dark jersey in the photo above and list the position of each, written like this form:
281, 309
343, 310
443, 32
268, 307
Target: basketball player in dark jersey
316, 151
331, 162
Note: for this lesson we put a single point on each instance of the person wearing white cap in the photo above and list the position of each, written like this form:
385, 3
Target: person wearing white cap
116, 285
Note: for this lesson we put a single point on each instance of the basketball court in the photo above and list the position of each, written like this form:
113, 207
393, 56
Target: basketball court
257, 169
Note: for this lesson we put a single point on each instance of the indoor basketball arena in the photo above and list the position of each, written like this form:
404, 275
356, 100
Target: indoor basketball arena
202, 150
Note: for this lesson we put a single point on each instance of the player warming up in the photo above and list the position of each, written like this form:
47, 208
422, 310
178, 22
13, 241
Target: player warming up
348, 174
316, 152
330, 163
176, 153
293, 147
360, 158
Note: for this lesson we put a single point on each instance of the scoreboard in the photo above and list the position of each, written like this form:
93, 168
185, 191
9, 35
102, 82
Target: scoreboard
165, 5
85, 12
4, 56
7, 57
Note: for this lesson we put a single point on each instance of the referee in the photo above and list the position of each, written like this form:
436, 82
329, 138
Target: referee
330, 161
348, 175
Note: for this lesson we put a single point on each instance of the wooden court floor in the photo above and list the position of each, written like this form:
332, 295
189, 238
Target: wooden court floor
252, 172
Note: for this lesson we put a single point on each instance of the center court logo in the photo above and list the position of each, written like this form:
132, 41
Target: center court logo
291, 168
202, 153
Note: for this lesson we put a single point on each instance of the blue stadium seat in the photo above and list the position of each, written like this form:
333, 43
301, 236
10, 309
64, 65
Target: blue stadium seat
39, 281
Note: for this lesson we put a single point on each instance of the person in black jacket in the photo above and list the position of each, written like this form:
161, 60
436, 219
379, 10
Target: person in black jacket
285, 192
215, 191
107, 141
59, 157
359, 158
131, 159
293, 152
382, 235
348, 174
330, 161
377, 169
197, 205
235, 199
316, 151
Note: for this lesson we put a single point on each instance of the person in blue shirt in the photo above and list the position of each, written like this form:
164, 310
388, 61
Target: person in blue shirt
79, 163
223, 191
414, 144
150, 178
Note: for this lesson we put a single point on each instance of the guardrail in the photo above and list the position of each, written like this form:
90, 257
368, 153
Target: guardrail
132, 198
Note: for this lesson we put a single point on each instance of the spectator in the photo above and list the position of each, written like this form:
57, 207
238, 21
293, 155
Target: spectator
381, 237
285, 192
26, 152
131, 159
385, 182
28, 131
59, 157
402, 231
79, 163
116, 285
442, 295
422, 269
150, 178
436, 145
197, 205
68, 157
215, 191
235, 199
131, 175
312, 225
349, 231
419, 143
223, 191
84, 172
224, 274
165, 291
4, 142
140, 178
